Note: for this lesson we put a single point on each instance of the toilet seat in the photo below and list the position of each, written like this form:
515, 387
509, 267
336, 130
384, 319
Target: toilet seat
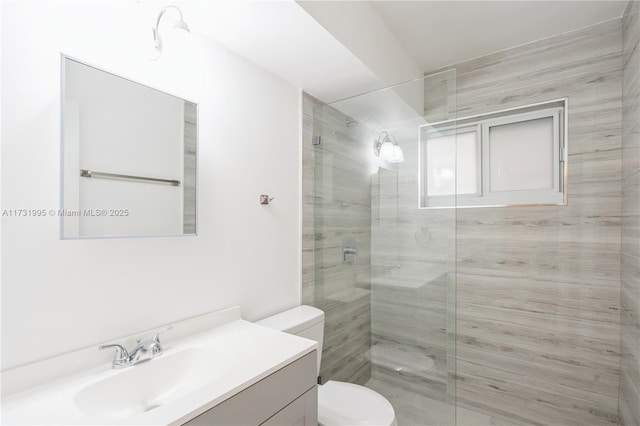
346, 404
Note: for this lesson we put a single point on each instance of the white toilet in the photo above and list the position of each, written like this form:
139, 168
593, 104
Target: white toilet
339, 403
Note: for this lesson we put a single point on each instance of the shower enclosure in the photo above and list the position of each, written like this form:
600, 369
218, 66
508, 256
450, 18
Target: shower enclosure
377, 260
545, 307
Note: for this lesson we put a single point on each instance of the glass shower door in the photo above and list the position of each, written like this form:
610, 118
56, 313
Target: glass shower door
383, 266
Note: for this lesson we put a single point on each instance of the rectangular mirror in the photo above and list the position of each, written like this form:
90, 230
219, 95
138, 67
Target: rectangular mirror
129, 155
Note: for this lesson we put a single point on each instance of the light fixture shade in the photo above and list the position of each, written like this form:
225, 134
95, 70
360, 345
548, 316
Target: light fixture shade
398, 155
386, 150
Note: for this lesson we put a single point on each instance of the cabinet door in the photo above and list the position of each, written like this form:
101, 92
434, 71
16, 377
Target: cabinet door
262, 400
301, 412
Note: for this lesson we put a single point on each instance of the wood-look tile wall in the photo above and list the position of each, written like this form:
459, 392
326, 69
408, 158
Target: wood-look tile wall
190, 162
538, 288
630, 283
337, 206
308, 155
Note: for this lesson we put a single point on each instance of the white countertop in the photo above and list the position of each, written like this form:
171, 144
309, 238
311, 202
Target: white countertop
255, 351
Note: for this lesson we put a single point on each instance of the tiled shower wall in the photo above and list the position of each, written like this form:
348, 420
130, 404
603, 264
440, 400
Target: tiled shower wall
337, 208
538, 288
630, 284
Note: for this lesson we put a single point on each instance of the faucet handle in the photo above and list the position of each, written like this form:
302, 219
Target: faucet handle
156, 337
156, 347
121, 351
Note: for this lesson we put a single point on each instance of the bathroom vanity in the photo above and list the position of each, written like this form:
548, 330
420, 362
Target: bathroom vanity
232, 373
287, 397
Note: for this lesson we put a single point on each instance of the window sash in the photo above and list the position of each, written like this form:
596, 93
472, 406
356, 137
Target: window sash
482, 126
446, 200
524, 196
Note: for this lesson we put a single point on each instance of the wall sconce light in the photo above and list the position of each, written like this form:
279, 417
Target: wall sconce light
386, 147
180, 25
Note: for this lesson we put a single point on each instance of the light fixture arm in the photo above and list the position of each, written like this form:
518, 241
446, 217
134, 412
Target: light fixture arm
387, 138
156, 30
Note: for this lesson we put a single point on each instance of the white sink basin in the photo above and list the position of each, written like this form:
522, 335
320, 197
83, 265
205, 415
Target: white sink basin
151, 384
216, 356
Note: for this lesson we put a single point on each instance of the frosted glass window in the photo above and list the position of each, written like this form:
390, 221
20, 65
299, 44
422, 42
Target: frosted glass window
505, 158
441, 164
521, 155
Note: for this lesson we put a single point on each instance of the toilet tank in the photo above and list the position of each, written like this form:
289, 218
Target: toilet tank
304, 321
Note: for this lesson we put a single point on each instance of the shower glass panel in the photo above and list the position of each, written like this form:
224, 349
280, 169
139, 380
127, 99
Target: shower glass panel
381, 267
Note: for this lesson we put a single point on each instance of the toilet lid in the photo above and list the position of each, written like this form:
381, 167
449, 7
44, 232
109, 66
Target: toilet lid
342, 404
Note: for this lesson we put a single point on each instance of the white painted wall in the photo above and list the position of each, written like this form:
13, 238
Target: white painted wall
59, 295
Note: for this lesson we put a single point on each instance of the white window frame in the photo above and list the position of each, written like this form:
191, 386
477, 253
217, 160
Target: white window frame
557, 110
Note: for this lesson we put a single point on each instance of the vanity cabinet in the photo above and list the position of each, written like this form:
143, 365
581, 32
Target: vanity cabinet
285, 398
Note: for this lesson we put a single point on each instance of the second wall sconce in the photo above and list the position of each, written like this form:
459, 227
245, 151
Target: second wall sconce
386, 147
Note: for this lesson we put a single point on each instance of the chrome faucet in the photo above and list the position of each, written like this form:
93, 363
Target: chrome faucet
144, 350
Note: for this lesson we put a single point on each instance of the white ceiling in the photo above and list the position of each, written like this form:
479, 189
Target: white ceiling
337, 49
440, 33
